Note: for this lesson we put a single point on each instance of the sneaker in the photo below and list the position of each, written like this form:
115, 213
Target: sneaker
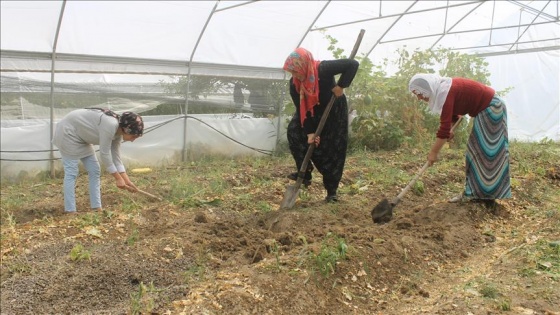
331, 198
306, 180
456, 199
459, 198
71, 212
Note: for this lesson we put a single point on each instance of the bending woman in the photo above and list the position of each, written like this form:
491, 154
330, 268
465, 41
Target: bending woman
311, 87
75, 136
487, 157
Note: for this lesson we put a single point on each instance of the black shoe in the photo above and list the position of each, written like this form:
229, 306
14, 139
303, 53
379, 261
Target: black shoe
306, 180
331, 198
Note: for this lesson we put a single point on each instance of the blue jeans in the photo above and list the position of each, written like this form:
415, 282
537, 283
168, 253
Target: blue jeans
71, 175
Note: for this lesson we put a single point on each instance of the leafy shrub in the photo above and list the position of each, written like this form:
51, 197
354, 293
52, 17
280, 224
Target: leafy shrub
370, 131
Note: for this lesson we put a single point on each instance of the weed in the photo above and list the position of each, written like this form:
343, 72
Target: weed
304, 194
20, 266
418, 188
133, 237
9, 219
325, 261
141, 301
264, 206
505, 305
108, 214
79, 253
488, 291
195, 271
198, 270
276, 251
544, 256
128, 205
89, 220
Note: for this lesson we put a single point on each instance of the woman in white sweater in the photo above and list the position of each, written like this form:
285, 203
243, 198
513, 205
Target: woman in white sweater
75, 136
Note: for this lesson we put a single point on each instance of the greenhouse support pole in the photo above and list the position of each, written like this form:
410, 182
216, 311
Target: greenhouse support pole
53, 62
184, 152
280, 118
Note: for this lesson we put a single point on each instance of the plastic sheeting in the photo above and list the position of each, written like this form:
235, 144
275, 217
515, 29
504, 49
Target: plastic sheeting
105, 42
534, 101
26, 152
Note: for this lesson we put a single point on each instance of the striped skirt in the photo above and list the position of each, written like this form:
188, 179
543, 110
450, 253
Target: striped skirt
487, 158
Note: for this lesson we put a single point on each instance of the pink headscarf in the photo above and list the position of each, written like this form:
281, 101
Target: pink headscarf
301, 61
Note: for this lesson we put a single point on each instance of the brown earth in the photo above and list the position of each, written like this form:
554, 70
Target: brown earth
434, 257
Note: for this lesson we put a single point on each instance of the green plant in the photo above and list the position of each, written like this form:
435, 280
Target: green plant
276, 251
89, 220
505, 305
9, 219
197, 271
19, 266
264, 206
79, 253
418, 188
376, 132
488, 291
141, 302
133, 237
332, 250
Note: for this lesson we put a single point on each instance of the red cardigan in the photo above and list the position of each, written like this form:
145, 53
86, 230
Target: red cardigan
465, 97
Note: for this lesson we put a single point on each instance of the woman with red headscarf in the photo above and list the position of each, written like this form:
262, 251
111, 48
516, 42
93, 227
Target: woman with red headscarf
312, 86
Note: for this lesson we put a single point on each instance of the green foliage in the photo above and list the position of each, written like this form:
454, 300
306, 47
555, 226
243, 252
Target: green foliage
133, 237
333, 249
418, 188
141, 302
79, 253
488, 291
388, 114
373, 132
89, 220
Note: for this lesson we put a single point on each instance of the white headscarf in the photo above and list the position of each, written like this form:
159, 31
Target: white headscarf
432, 86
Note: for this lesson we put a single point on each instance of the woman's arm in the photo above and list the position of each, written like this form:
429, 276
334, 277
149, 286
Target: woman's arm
347, 68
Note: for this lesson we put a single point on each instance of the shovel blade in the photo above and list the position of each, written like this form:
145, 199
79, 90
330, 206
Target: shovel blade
382, 212
290, 197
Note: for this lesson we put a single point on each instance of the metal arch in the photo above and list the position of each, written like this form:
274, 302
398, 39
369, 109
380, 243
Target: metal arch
528, 8
527, 28
480, 2
446, 31
236, 5
310, 28
53, 66
184, 151
396, 15
390, 27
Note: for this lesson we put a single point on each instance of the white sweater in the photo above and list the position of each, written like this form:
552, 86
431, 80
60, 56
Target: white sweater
78, 131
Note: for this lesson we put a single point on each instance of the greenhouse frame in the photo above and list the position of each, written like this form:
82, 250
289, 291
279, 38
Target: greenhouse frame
57, 56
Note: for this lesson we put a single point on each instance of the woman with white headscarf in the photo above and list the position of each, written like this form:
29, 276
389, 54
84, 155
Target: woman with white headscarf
487, 157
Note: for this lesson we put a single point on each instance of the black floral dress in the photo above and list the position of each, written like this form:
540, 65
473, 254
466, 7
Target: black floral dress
329, 157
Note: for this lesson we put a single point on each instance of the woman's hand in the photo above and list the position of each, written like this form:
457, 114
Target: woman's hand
432, 158
129, 185
337, 91
451, 135
121, 183
312, 139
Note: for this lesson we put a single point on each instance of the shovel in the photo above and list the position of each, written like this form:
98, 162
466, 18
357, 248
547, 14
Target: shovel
383, 211
292, 191
145, 193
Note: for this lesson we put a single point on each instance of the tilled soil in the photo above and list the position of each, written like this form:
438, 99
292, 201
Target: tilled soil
208, 259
